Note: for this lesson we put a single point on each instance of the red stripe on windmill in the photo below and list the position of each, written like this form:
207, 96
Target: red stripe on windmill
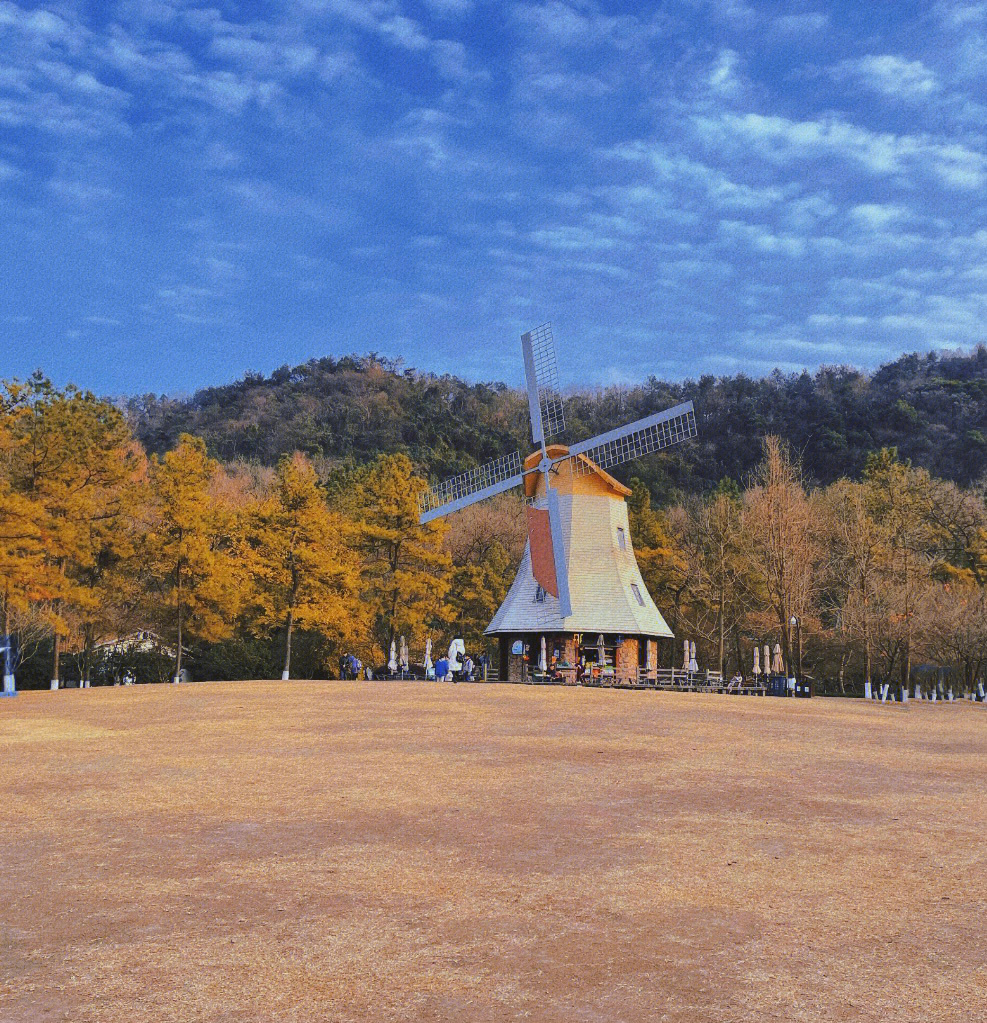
571, 511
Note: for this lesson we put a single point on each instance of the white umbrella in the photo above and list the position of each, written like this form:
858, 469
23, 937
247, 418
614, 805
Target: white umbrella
647, 655
404, 654
778, 665
693, 665
601, 650
685, 656
428, 654
767, 659
392, 663
543, 657
757, 661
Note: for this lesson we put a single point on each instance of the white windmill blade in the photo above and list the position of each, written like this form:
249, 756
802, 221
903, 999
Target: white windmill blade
541, 374
471, 486
558, 550
642, 437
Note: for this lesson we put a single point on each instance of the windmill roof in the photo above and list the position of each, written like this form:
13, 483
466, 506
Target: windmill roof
586, 467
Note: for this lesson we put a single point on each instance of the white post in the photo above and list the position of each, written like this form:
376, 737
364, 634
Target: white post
54, 683
285, 675
867, 690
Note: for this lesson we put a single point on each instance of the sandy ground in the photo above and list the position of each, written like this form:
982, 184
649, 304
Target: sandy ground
401, 851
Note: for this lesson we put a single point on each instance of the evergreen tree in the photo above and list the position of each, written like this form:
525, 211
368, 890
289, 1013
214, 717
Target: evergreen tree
196, 582
305, 573
406, 573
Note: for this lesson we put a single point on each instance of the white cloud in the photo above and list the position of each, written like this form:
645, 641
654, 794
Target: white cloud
451, 60
573, 238
800, 24
890, 76
42, 25
723, 77
780, 140
878, 216
404, 32
718, 188
450, 8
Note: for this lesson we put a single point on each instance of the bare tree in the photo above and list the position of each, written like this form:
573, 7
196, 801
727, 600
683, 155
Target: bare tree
781, 538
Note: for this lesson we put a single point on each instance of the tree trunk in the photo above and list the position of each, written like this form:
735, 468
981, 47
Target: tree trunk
178, 652
8, 655
286, 673
56, 656
722, 636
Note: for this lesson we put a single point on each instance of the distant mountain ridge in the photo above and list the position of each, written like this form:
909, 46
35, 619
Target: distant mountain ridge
932, 407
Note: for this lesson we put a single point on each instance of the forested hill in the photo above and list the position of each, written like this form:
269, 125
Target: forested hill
932, 407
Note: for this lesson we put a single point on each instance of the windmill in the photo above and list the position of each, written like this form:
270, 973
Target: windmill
550, 462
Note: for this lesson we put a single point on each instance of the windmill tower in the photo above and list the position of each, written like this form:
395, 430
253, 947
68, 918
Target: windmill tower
578, 586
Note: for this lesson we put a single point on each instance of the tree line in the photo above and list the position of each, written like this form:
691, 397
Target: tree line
244, 569
881, 579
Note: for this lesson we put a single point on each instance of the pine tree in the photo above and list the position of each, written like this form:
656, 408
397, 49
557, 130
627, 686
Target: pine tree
188, 548
73, 457
406, 574
305, 574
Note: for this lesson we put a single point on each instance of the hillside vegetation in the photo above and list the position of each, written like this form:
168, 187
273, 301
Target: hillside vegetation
932, 408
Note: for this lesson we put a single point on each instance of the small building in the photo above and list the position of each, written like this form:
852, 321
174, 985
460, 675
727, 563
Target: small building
607, 593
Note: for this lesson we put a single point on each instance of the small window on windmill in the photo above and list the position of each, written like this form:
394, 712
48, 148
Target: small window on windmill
637, 594
539, 595
621, 538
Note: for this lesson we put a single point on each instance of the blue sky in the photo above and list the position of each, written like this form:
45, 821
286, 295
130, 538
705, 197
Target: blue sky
189, 192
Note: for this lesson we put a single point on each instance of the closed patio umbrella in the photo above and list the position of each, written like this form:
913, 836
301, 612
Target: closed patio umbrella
686, 650
693, 664
543, 656
767, 659
601, 650
777, 664
404, 654
757, 661
428, 655
392, 661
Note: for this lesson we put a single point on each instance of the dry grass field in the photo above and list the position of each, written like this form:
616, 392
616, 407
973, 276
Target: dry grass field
313, 851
